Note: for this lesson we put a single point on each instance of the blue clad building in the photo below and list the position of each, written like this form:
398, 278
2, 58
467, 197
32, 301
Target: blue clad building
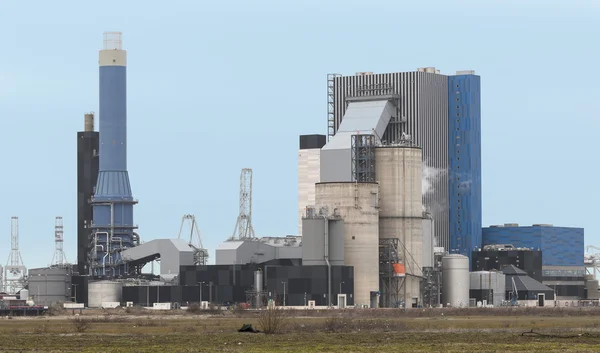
562, 253
464, 162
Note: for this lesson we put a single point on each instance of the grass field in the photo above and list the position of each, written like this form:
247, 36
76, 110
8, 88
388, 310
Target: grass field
350, 331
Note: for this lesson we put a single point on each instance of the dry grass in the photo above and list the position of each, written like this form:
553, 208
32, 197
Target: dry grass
308, 331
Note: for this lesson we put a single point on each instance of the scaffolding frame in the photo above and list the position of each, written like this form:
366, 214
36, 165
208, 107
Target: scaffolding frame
256, 297
331, 126
363, 158
390, 283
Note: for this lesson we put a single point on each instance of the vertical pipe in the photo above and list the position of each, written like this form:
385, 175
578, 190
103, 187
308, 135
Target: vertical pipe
327, 261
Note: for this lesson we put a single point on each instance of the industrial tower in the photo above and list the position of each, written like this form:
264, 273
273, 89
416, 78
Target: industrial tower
87, 176
243, 227
113, 227
59, 259
195, 242
14, 271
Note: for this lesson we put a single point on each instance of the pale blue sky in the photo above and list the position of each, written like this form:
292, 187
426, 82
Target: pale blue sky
217, 86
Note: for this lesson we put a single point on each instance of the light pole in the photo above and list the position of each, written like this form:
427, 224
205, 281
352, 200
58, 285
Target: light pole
200, 284
284, 283
75, 296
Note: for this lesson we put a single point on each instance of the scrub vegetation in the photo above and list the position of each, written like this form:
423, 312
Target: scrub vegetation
384, 330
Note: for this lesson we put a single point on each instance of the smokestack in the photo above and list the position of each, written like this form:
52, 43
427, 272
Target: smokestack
88, 124
113, 201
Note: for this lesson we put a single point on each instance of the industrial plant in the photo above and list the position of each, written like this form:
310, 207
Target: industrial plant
389, 216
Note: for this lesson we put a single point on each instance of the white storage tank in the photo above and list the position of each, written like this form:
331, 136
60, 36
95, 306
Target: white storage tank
357, 205
399, 170
104, 291
455, 280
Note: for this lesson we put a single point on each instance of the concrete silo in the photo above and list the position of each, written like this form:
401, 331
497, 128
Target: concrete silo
399, 172
356, 204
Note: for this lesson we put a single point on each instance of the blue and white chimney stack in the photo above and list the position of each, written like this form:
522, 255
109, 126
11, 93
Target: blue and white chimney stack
113, 227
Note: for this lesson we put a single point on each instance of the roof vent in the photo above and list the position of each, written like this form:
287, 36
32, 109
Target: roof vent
465, 72
511, 224
365, 73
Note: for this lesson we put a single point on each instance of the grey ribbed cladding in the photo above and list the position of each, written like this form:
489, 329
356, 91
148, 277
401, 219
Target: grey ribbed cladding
424, 104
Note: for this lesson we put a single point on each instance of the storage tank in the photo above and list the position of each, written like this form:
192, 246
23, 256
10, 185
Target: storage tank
356, 204
24, 294
104, 291
313, 241
399, 171
455, 280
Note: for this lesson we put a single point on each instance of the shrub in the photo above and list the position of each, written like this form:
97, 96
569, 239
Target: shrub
194, 308
272, 320
80, 324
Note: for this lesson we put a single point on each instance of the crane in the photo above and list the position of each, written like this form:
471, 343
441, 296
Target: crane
591, 260
195, 242
243, 227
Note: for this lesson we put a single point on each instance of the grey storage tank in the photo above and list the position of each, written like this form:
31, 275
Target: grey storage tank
455, 281
104, 291
357, 204
316, 239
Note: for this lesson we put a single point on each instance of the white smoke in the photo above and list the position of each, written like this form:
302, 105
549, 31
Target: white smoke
430, 176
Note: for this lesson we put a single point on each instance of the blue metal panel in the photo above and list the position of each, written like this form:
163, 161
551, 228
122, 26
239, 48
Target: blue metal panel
464, 163
113, 118
113, 224
561, 246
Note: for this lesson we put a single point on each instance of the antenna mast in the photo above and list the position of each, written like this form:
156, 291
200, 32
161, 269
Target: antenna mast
59, 258
195, 242
14, 271
243, 227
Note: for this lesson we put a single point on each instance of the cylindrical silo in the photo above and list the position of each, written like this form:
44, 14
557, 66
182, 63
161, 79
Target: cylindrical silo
399, 172
356, 204
258, 287
104, 292
455, 280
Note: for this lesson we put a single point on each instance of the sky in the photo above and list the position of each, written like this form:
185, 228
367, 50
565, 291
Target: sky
217, 86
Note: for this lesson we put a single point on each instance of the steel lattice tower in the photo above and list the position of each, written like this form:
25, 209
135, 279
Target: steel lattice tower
59, 258
243, 227
200, 253
14, 271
